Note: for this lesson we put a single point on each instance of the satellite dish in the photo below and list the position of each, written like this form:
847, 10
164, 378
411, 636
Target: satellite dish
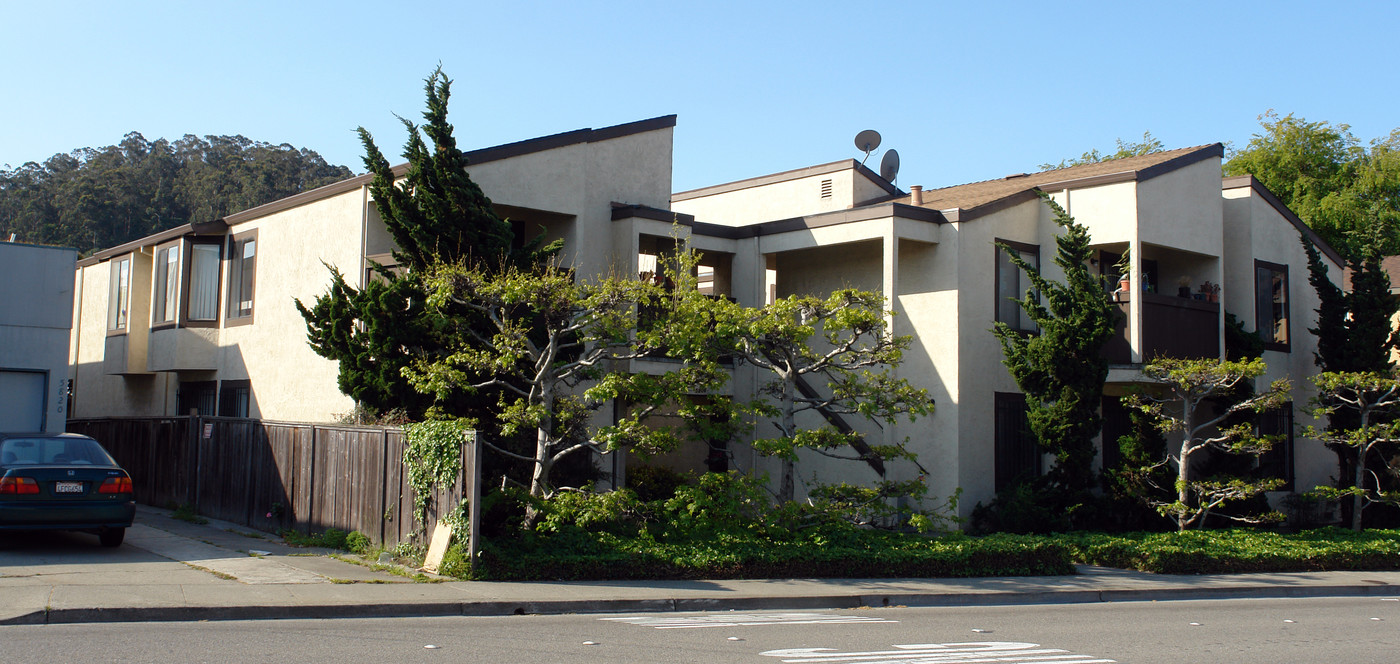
867, 141
889, 166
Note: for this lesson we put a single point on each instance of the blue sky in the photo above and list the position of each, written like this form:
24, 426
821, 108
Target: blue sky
965, 91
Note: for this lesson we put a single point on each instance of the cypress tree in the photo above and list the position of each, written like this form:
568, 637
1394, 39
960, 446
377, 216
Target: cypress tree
435, 214
1061, 369
1354, 335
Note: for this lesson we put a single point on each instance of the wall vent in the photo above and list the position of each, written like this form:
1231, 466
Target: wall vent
826, 188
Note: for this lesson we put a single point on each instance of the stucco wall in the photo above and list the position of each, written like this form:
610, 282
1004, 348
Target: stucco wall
36, 316
583, 180
1108, 211
784, 199
1258, 231
1181, 209
290, 381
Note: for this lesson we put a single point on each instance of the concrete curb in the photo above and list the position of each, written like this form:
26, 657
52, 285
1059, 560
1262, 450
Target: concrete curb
555, 607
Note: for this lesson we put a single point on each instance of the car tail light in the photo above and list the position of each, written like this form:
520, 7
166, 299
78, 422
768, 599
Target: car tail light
18, 485
115, 485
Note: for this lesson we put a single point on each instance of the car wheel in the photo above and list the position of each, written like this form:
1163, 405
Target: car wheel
112, 537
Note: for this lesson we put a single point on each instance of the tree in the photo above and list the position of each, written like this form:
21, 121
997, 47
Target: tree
1347, 194
1371, 398
1354, 337
1061, 368
1187, 399
435, 213
1148, 145
93, 198
842, 341
547, 336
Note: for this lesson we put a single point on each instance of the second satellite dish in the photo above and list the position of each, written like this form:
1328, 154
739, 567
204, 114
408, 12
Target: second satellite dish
889, 166
867, 141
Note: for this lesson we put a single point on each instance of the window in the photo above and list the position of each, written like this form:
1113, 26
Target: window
202, 292
1012, 284
234, 397
1277, 463
241, 272
1017, 454
1271, 304
165, 288
195, 395
119, 298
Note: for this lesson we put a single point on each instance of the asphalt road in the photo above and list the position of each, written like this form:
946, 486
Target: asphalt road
1351, 630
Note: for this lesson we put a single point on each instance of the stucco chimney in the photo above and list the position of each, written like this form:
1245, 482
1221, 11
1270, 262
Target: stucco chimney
916, 195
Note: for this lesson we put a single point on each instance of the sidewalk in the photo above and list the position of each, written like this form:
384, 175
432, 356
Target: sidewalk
172, 570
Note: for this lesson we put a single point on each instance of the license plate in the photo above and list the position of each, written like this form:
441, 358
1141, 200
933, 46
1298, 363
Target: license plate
68, 487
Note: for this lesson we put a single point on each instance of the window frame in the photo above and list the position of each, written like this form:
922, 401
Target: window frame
1007, 471
1281, 455
1272, 323
1022, 323
119, 296
187, 281
165, 305
228, 394
233, 315
185, 391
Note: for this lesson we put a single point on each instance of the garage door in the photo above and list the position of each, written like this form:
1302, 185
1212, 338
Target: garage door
22, 400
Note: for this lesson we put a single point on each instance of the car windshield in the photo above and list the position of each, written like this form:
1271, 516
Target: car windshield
64, 451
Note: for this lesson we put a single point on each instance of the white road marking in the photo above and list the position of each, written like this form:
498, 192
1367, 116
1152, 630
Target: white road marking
746, 620
939, 653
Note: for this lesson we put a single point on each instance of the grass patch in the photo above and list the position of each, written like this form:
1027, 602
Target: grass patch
221, 575
396, 570
332, 538
187, 514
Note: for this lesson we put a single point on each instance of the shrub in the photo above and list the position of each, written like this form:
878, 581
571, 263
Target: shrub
1241, 551
655, 482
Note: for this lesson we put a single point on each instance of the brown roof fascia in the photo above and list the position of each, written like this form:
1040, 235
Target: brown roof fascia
336, 188
481, 156
1240, 181
882, 211
622, 211
795, 174
1214, 150
215, 227
1010, 201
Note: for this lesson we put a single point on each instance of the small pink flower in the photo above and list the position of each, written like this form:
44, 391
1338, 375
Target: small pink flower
269, 515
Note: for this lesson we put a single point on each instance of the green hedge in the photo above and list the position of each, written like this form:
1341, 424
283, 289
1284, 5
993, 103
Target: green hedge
1239, 551
880, 555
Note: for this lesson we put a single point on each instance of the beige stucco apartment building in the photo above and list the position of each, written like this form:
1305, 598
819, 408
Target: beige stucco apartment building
933, 255
202, 317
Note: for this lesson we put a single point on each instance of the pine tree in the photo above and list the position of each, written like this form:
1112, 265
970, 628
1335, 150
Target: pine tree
1061, 368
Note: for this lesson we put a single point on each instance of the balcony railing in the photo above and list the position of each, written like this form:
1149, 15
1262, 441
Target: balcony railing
1171, 327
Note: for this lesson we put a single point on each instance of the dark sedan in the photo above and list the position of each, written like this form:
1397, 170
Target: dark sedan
63, 481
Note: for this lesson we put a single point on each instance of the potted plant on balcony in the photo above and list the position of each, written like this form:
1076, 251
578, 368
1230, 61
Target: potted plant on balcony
1183, 287
1210, 292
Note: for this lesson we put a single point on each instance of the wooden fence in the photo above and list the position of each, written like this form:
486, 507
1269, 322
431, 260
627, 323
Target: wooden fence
274, 475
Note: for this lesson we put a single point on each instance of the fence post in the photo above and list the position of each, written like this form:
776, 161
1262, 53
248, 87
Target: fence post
384, 488
311, 483
473, 456
195, 426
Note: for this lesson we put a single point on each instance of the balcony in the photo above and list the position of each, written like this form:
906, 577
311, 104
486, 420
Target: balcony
1171, 327
183, 349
